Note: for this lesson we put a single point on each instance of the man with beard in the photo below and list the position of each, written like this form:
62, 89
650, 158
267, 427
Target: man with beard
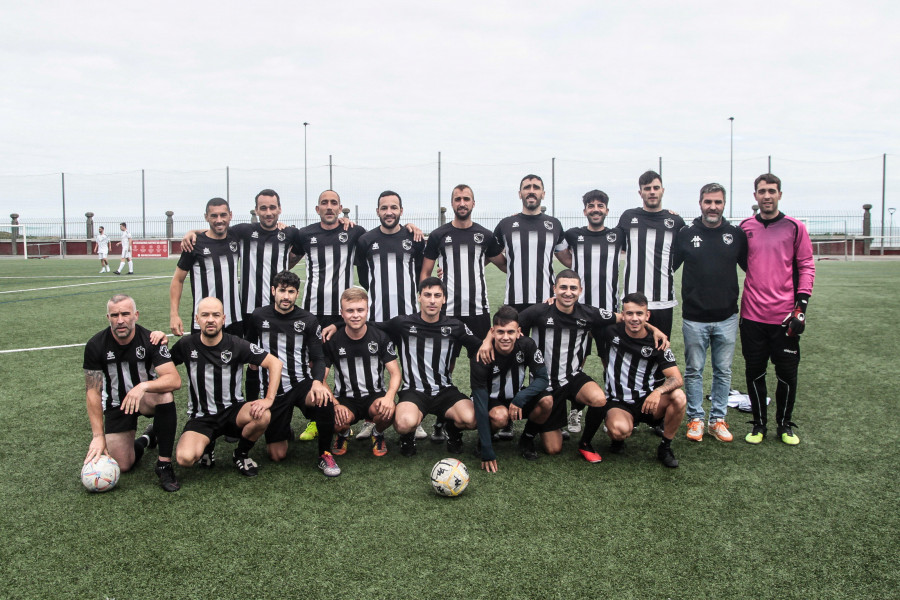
710, 249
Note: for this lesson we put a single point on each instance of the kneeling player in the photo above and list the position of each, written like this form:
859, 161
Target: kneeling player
497, 387
215, 362
360, 354
127, 372
293, 335
642, 382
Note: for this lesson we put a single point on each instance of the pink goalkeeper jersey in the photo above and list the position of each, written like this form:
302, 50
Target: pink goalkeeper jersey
779, 266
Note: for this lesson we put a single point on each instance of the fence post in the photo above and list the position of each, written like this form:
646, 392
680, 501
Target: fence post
867, 228
443, 216
89, 225
755, 208
553, 186
14, 233
170, 225
253, 217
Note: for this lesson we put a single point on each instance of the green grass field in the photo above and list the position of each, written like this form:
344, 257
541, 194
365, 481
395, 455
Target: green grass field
819, 520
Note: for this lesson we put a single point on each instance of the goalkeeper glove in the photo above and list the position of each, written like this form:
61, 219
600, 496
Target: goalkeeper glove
795, 322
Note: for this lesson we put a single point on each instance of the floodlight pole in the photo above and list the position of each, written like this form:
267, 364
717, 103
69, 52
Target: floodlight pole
731, 170
305, 178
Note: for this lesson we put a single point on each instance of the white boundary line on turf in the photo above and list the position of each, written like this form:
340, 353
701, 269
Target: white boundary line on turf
51, 347
59, 287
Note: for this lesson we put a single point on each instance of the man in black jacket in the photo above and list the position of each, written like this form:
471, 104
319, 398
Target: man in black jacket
710, 249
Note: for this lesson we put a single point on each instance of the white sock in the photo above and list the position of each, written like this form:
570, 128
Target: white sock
130, 267
121, 266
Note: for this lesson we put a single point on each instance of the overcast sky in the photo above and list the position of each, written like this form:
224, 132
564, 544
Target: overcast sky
499, 88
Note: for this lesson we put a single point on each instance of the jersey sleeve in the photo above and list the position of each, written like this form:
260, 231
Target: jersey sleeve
806, 264
186, 261
479, 374
432, 251
178, 351
241, 230
498, 237
249, 353
313, 339
160, 354
665, 359
93, 356
386, 348
468, 339
560, 243
362, 264
297, 239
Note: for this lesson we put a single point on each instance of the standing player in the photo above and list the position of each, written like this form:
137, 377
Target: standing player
498, 387
293, 336
360, 354
463, 248
127, 372
215, 364
101, 247
595, 252
650, 232
529, 240
212, 263
642, 382
428, 342
126, 251
711, 249
779, 283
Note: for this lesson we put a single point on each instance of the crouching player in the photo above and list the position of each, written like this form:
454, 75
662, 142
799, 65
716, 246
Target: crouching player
359, 355
497, 387
215, 364
127, 372
293, 335
643, 383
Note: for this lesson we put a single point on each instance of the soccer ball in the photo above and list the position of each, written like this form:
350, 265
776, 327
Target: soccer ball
449, 477
100, 475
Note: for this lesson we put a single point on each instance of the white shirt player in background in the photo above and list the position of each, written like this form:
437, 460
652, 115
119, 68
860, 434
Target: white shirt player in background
101, 247
126, 250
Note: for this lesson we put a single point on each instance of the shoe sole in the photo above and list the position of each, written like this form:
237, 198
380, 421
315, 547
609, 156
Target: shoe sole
591, 457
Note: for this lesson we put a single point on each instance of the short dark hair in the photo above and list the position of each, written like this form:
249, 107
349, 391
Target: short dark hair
462, 187
531, 176
712, 188
123, 224
648, 177
101, 228
595, 195
286, 279
267, 192
432, 282
389, 193
768, 178
568, 274
505, 314
215, 202
635, 298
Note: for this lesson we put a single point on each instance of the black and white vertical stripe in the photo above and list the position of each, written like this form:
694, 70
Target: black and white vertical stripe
530, 242
330, 256
649, 256
595, 256
462, 253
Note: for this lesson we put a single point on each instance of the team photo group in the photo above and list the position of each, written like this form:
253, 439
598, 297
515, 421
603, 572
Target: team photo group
255, 350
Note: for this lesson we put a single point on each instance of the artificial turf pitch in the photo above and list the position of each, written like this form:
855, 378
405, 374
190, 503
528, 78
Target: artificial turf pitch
819, 520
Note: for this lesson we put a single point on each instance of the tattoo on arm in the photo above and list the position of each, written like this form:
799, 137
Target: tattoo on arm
93, 380
671, 383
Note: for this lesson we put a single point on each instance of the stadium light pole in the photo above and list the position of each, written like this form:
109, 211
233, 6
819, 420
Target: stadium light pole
731, 170
305, 178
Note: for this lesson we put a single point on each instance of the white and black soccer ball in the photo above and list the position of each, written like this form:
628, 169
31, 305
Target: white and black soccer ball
449, 477
101, 475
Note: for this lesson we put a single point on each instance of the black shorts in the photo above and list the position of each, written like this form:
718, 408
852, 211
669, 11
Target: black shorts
434, 405
358, 406
212, 426
279, 428
559, 413
116, 421
635, 411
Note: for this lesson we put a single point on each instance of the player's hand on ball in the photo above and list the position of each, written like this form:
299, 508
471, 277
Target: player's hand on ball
96, 449
795, 322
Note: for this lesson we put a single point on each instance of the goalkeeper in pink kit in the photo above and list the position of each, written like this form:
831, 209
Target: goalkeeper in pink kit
779, 282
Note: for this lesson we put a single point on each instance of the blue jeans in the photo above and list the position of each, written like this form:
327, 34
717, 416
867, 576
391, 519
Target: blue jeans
719, 337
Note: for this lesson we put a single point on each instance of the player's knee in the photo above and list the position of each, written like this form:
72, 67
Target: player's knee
618, 431
499, 417
596, 398
405, 423
276, 452
552, 446
185, 458
679, 399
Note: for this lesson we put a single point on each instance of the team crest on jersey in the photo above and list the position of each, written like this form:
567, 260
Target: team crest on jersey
206, 252
256, 349
281, 236
611, 237
164, 352
468, 331
669, 355
299, 326
606, 314
696, 241
581, 322
520, 357
478, 237
391, 350
445, 330
448, 240
264, 325
319, 331
233, 246
140, 352
615, 340
255, 235
496, 369
407, 244
343, 237
193, 354
548, 225
646, 351
669, 223
538, 357
313, 240
226, 356
373, 347
727, 238
110, 356
342, 352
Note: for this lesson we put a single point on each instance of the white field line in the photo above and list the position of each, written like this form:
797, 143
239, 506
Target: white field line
59, 287
50, 347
